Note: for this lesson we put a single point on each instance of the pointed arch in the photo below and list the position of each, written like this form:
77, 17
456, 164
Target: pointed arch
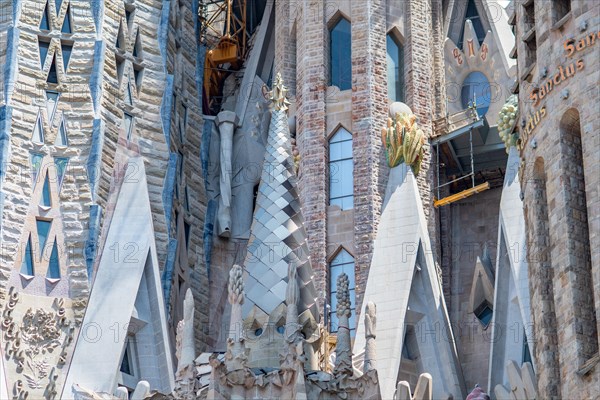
578, 242
337, 250
395, 65
342, 262
340, 52
341, 169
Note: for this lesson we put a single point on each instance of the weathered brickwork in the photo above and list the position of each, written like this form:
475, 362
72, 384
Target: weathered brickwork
564, 147
363, 110
311, 36
369, 113
419, 81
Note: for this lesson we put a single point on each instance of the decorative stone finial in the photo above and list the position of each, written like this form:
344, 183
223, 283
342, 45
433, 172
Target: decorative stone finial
236, 285
278, 94
236, 299
423, 390
343, 358
403, 141
370, 326
186, 352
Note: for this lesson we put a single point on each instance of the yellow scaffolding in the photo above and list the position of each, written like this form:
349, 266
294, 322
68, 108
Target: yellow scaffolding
224, 34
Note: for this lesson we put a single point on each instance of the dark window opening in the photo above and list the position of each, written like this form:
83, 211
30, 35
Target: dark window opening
340, 60
395, 69
484, 313
475, 19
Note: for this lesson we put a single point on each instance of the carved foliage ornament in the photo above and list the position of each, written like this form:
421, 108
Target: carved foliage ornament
30, 342
403, 141
278, 95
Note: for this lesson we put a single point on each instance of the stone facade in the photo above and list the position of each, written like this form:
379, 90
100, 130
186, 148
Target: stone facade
103, 107
559, 180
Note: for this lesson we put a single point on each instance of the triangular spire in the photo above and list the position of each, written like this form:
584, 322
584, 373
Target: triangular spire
278, 219
66, 53
38, 131
61, 136
45, 22
66, 27
51, 103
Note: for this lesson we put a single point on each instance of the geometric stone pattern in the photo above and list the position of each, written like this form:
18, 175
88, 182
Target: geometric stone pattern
277, 236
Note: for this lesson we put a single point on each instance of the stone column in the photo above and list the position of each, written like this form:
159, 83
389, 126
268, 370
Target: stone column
227, 121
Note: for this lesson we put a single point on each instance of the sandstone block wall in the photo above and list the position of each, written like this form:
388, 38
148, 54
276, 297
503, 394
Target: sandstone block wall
565, 163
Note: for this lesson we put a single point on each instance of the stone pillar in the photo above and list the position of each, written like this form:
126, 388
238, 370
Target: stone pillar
227, 121
369, 116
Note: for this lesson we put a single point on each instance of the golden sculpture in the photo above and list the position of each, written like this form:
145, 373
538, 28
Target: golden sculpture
403, 141
278, 95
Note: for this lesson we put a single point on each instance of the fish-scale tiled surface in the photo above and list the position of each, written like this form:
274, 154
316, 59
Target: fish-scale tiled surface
277, 236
